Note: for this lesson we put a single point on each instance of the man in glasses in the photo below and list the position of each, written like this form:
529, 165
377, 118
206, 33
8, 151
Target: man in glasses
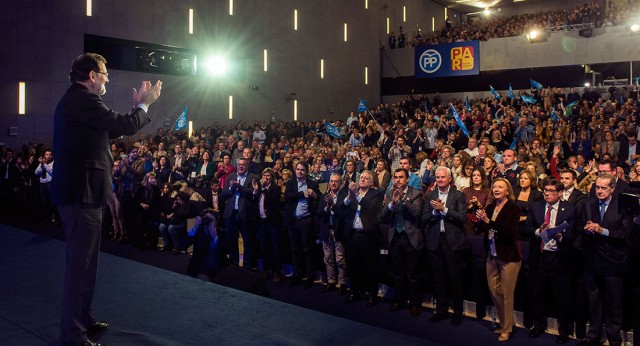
550, 259
82, 126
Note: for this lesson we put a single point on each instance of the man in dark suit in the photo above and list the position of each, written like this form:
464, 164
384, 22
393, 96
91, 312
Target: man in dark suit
362, 232
401, 209
569, 178
332, 236
629, 151
443, 218
301, 195
606, 254
550, 260
575, 197
179, 166
82, 184
239, 214
610, 167
266, 197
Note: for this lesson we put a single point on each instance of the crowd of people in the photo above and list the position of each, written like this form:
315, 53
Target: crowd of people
486, 28
532, 194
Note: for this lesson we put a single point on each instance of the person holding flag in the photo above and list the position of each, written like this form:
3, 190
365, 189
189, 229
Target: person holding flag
535, 85
456, 116
181, 122
494, 92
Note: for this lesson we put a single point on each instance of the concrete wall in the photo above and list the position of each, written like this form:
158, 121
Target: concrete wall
40, 39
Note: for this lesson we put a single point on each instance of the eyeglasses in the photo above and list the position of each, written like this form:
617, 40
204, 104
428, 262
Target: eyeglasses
550, 191
106, 74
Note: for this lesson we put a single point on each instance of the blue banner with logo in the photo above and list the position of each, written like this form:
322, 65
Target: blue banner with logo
447, 60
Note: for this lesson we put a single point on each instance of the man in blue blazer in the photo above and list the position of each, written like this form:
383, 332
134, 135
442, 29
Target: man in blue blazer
82, 127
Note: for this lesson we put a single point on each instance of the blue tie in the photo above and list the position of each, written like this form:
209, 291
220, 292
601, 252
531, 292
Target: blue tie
603, 206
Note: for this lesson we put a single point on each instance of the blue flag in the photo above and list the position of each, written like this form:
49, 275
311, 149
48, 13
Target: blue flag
554, 116
529, 99
535, 85
332, 130
511, 95
362, 105
466, 104
459, 121
515, 141
181, 122
621, 100
493, 91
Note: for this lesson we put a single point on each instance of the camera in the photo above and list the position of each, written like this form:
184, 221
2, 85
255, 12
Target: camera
206, 220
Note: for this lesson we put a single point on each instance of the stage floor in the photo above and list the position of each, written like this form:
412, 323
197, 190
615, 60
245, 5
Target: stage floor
146, 305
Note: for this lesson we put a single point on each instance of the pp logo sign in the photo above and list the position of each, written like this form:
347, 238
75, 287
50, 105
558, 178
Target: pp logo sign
430, 61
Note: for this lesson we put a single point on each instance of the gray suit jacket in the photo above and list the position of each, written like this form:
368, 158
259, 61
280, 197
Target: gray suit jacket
411, 209
453, 222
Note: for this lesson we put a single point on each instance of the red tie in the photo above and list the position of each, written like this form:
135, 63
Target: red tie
547, 216
547, 220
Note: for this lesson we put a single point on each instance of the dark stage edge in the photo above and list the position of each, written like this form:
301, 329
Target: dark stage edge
152, 306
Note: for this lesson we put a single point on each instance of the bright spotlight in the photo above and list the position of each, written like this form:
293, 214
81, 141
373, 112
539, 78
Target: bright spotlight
216, 65
486, 11
635, 27
533, 34
587, 84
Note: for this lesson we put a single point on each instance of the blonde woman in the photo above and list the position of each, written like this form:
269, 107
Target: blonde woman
499, 223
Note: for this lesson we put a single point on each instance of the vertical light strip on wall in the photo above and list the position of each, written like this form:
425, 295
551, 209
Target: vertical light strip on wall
190, 128
266, 66
345, 32
231, 7
191, 20
22, 104
388, 25
295, 110
446, 13
366, 4
295, 19
366, 75
230, 107
404, 14
321, 68
89, 8
433, 24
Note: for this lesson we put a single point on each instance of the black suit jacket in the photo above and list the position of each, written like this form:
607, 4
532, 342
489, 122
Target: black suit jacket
323, 217
453, 221
292, 195
576, 197
411, 213
370, 207
82, 126
535, 218
271, 202
623, 153
606, 255
245, 207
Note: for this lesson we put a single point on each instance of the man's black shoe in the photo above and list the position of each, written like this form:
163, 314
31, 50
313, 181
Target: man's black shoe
438, 317
328, 288
97, 327
534, 332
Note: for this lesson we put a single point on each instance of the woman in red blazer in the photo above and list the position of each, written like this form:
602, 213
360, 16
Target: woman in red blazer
500, 226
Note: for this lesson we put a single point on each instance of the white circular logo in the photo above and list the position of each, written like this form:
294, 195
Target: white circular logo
430, 61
